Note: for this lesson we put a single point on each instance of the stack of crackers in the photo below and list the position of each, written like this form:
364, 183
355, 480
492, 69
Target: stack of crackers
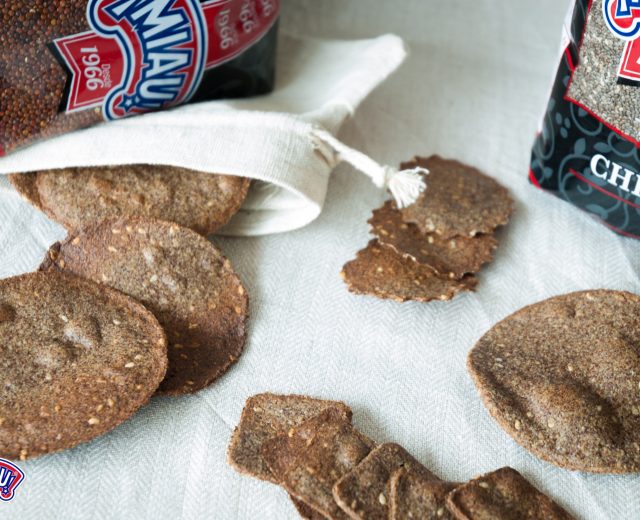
332, 471
432, 249
134, 302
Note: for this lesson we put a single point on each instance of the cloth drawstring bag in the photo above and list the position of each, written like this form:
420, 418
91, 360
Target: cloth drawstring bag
286, 141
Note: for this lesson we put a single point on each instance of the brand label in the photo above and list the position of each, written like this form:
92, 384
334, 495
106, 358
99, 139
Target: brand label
623, 19
144, 55
615, 175
11, 476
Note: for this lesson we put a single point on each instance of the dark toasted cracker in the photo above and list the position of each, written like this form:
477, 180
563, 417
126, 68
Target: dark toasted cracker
281, 452
25, 185
306, 511
204, 202
453, 257
562, 377
178, 275
380, 271
503, 494
416, 497
312, 457
77, 360
459, 200
266, 416
364, 492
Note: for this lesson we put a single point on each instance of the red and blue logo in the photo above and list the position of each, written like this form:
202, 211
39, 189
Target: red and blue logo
11, 476
623, 19
164, 47
146, 55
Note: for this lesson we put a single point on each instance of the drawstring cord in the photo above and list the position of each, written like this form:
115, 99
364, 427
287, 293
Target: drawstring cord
405, 186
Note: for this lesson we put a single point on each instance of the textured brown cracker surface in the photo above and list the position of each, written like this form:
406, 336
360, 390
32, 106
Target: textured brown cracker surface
179, 276
504, 495
562, 377
312, 457
200, 201
364, 492
453, 257
266, 416
25, 185
77, 360
380, 271
416, 497
459, 200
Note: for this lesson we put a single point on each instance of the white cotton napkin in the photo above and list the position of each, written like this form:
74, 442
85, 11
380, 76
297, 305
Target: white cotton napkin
284, 140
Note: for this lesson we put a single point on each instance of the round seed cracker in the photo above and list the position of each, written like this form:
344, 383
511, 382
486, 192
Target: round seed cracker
453, 257
75, 197
179, 276
380, 271
459, 200
562, 377
25, 185
503, 494
77, 360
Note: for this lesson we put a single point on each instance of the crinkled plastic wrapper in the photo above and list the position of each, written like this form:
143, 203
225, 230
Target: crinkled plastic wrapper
68, 65
588, 149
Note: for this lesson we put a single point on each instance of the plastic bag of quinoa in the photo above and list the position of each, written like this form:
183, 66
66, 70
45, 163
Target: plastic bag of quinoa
588, 149
68, 65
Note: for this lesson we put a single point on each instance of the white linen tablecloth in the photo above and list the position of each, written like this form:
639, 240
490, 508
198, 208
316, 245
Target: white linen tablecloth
474, 89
